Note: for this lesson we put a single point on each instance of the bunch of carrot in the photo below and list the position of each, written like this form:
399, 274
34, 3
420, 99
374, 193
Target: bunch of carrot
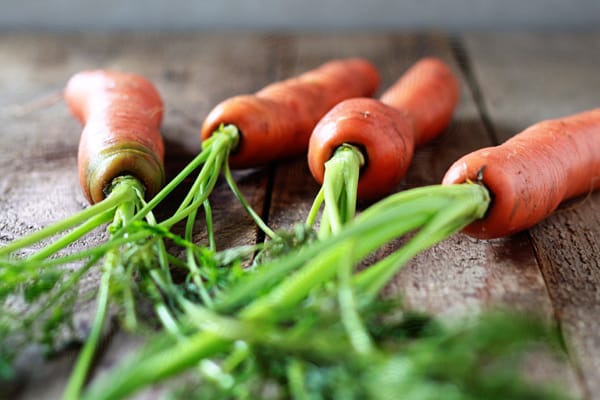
120, 163
358, 148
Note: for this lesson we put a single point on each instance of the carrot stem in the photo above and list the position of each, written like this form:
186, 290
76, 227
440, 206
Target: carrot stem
216, 148
467, 203
81, 368
384, 221
97, 251
295, 377
116, 197
122, 215
340, 185
208, 218
238, 194
355, 329
313, 213
138, 373
369, 234
72, 236
192, 265
173, 183
213, 162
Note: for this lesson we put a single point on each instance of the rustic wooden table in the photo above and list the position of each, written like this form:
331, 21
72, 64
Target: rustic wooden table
509, 81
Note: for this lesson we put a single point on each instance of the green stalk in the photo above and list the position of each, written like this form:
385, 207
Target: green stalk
168, 322
72, 236
161, 280
296, 286
98, 250
376, 226
86, 356
207, 170
355, 329
209, 174
468, 204
313, 213
130, 377
295, 377
122, 216
401, 200
369, 234
118, 196
163, 255
208, 218
215, 151
339, 190
238, 194
240, 352
192, 265
169, 187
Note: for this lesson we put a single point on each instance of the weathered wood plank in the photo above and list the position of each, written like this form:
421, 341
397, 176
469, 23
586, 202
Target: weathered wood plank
525, 78
195, 71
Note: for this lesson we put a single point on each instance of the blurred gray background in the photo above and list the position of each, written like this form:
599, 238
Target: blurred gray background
449, 15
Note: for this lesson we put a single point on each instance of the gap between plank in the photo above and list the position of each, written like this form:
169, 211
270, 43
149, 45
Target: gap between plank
464, 62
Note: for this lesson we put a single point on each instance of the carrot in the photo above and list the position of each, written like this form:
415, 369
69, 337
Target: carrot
530, 174
277, 121
411, 112
120, 155
122, 114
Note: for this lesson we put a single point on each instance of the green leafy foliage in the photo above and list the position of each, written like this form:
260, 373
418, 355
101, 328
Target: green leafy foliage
285, 242
307, 350
417, 357
298, 322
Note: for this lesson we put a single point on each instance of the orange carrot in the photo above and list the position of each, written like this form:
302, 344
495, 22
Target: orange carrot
121, 114
530, 174
277, 121
411, 112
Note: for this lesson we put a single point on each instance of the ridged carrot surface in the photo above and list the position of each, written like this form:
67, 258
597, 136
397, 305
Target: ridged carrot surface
121, 114
530, 174
277, 121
